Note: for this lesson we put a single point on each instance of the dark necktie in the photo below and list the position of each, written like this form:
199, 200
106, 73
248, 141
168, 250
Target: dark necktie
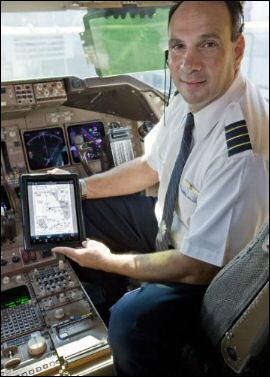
163, 239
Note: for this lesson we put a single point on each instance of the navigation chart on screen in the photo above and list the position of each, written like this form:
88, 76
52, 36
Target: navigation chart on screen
53, 209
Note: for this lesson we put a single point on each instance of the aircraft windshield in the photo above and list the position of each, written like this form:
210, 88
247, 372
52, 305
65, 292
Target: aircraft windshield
47, 44
126, 40
106, 42
81, 43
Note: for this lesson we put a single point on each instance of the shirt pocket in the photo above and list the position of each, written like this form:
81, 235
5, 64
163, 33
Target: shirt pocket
188, 197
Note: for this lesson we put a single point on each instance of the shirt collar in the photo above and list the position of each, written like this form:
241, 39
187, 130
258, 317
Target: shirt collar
207, 118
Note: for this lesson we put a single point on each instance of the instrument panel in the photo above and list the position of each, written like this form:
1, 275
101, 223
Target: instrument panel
45, 311
50, 325
21, 94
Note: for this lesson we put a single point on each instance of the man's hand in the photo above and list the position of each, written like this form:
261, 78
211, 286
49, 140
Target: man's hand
58, 171
93, 254
169, 265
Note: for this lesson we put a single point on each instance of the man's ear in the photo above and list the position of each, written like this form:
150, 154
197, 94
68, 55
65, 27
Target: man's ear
239, 50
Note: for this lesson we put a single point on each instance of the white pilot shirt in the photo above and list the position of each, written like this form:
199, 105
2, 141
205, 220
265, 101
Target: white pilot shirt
223, 196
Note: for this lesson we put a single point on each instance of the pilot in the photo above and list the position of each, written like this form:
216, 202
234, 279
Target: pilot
210, 157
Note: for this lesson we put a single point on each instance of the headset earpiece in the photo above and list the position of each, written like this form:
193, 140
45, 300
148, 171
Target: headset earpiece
166, 56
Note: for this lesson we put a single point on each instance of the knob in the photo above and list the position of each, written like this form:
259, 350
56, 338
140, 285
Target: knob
15, 258
3, 262
73, 295
62, 298
59, 313
6, 280
13, 362
18, 278
36, 345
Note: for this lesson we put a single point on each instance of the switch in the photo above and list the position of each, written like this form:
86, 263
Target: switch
61, 265
59, 313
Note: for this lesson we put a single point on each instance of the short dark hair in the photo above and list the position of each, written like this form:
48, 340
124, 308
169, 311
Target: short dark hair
236, 12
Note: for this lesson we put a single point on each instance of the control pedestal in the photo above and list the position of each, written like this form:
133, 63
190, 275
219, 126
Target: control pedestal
49, 324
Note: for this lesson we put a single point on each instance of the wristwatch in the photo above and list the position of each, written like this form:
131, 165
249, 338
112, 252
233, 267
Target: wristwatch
83, 188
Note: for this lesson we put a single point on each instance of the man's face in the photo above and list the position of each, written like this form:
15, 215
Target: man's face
202, 58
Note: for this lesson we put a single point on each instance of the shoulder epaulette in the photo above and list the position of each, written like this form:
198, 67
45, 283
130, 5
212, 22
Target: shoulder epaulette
237, 138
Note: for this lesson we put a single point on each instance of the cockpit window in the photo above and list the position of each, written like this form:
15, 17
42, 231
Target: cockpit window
85, 43
43, 44
125, 40
106, 42
97, 42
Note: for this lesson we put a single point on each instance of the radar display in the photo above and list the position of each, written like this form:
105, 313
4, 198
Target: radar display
46, 148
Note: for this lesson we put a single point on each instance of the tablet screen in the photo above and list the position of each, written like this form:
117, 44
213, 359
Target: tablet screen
52, 211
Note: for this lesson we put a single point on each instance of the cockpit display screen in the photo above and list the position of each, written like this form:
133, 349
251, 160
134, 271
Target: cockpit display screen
52, 211
87, 136
46, 148
15, 297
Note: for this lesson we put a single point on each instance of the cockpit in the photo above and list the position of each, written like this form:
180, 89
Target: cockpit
83, 83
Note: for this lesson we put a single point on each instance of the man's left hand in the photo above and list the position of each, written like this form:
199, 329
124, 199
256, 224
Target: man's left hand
93, 254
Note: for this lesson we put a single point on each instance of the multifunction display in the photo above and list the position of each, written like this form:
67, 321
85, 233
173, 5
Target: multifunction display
87, 136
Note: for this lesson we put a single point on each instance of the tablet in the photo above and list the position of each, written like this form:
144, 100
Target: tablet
51, 211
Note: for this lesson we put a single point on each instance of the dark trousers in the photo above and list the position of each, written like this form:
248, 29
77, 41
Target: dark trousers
148, 325
123, 224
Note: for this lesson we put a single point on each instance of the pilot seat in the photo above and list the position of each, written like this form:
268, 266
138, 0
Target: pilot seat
233, 336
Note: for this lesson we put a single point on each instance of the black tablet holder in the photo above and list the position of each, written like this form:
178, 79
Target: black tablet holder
51, 211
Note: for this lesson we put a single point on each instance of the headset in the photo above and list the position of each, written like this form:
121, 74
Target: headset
166, 101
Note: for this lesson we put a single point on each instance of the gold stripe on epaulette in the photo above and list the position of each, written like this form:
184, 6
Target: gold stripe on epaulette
235, 137
232, 129
239, 145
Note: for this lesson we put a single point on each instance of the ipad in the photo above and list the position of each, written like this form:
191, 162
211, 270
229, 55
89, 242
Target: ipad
52, 211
